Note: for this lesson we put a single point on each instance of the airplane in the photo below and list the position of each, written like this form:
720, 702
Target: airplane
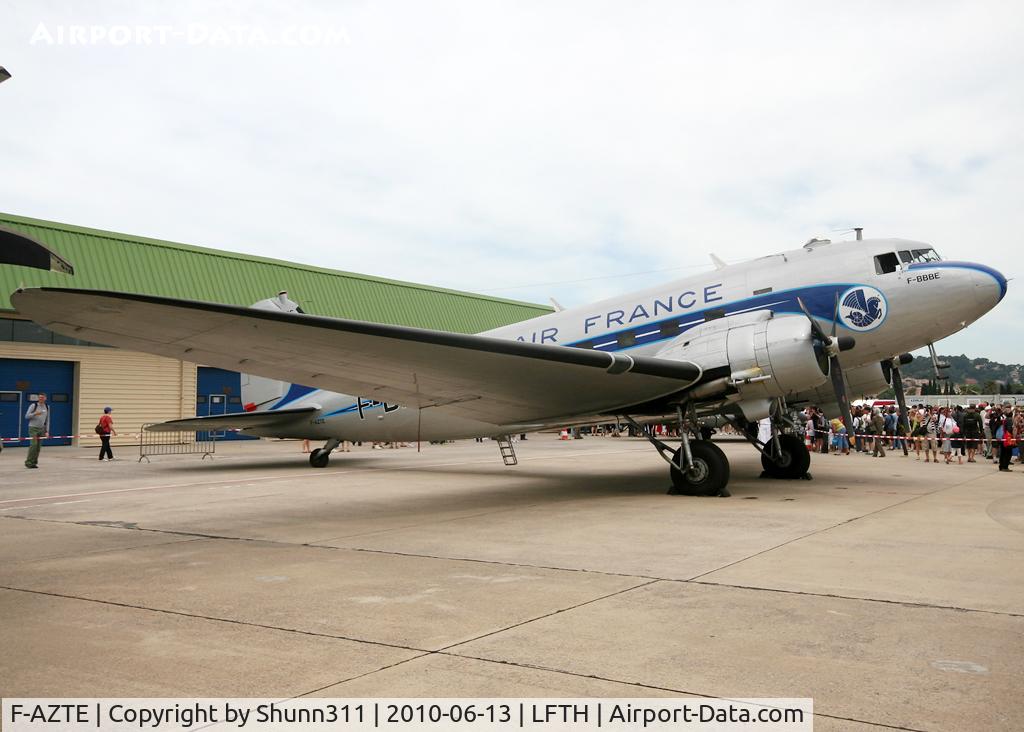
739, 344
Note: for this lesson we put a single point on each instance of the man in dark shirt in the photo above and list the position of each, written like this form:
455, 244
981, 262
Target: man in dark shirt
995, 420
971, 431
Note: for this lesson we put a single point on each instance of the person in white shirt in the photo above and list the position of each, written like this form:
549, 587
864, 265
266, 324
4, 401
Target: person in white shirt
931, 435
947, 426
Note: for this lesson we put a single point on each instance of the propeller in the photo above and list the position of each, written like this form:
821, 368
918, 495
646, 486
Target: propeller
897, 386
833, 346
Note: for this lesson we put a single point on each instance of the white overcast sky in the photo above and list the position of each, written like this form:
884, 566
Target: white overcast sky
562, 145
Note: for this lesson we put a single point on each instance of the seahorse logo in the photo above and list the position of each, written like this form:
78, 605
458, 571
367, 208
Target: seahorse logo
862, 308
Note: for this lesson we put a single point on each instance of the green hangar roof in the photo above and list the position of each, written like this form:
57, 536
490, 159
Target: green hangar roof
104, 260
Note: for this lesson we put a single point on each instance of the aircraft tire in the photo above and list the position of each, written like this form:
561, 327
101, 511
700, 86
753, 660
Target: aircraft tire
710, 474
794, 461
318, 458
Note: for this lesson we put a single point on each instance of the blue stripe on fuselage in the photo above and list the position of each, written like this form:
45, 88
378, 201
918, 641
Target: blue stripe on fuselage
295, 392
994, 274
367, 406
819, 299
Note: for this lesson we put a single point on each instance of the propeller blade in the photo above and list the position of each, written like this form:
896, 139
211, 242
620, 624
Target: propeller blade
897, 387
835, 372
835, 314
815, 328
835, 369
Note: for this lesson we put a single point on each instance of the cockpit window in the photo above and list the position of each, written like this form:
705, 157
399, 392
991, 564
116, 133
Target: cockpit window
886, 263
925, 255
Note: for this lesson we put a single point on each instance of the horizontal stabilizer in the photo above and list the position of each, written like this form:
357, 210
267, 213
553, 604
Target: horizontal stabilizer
238, 421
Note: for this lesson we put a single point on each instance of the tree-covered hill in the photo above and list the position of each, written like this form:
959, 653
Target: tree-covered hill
968, 371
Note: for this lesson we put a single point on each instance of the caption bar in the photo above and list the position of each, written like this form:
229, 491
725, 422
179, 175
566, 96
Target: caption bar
266, 715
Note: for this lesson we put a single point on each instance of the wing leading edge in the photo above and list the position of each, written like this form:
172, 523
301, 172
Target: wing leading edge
239, 420
477, 377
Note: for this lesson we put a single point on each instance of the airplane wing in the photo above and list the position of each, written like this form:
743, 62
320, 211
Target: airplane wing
236, 421
478, 377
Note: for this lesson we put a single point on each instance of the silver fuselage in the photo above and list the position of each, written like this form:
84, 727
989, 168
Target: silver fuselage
916, 304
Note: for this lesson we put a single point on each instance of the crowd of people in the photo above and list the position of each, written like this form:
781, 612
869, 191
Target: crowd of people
957, 433
994, 432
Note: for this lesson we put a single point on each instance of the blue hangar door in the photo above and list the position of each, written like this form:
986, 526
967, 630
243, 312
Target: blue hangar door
20, 380
219, 392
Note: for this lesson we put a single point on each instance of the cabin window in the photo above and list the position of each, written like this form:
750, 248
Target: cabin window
886, 263
625, 340
669, 328
925, 255
714, 314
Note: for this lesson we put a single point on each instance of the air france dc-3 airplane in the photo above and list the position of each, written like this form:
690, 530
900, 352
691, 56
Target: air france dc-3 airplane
739, 344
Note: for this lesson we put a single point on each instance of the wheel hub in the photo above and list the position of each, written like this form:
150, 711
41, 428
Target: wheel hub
699, 472
783, 459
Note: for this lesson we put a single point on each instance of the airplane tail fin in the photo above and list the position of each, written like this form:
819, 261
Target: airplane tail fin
258, 392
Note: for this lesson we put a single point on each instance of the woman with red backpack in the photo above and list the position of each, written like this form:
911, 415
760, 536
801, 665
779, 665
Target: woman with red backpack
105, 429
1006, 438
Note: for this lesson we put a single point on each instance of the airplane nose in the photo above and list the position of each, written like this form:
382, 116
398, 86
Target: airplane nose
989, 285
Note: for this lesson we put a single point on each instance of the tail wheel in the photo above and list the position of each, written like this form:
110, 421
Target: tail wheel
319, 458
793, 460
709, 475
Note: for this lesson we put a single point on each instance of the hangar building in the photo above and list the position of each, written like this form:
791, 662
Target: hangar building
80, 378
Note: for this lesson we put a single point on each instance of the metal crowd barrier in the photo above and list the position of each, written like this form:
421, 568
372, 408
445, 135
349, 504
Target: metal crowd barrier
176, 443
951, 400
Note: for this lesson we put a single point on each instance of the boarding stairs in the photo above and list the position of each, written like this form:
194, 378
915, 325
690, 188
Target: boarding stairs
508, 453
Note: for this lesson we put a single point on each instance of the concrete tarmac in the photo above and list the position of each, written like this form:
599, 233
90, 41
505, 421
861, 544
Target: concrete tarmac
889, 590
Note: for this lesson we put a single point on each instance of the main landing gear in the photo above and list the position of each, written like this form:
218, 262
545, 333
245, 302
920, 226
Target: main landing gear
783, 456
707, 475
698, 467
322, 455
789, 460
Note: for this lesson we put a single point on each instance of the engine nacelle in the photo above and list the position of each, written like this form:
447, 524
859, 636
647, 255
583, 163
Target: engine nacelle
766, 356
869, 379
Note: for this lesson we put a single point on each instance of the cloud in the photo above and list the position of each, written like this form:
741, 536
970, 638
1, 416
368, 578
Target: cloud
488, 145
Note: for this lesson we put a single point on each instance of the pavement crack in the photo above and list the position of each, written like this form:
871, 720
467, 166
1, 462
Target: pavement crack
902, 603
107, 550
127, 526
497, 562
652, 687
215, 619
366, 673
550, 614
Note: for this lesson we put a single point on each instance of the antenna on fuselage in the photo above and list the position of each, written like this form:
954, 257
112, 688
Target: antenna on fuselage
858, 231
